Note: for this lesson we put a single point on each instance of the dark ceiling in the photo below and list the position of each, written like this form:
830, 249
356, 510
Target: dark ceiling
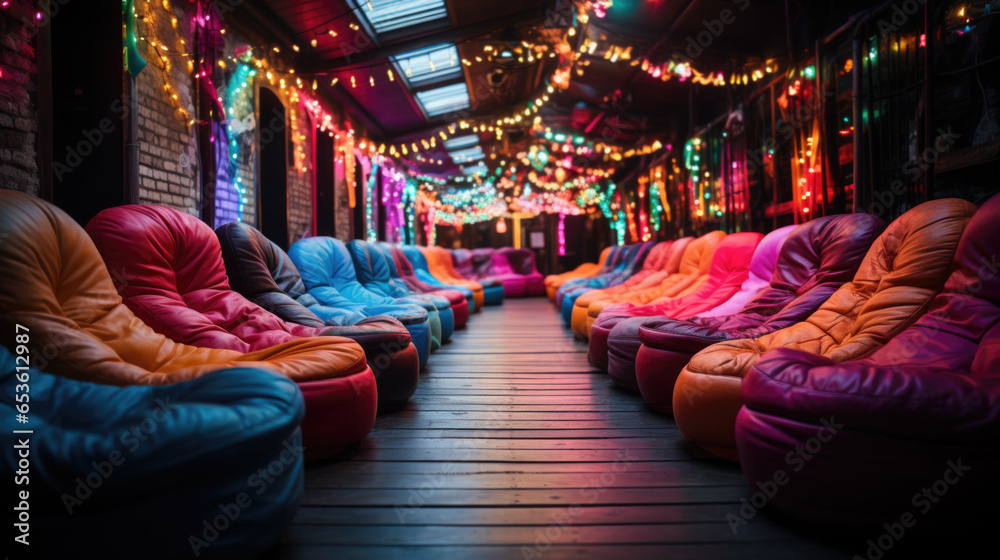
640, 107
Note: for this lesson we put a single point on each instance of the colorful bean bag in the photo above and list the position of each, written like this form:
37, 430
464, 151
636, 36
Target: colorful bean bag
421, 269
730, 269
107, 464
762, 267
60, 289
400, 289
615, 257
329, 275
401, 268
263, 273
816, 259
663, 260
691, 275
522, 263
658, 286
631, 263
441, 267
921, 412
901, 274
373, 274
476, 265
489, 268
555, 281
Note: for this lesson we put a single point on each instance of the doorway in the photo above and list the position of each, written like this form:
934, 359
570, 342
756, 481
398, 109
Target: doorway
273, 184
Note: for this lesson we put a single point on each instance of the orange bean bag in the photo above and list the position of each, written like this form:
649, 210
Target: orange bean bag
441, 267
554, 281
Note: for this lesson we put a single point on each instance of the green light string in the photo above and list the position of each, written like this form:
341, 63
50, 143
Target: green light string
369, 211
655, 205
134, 63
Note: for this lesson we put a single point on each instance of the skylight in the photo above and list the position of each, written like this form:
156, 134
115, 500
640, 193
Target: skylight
474, 153
478, 169
460, 142
442, 100
431, 64
384, 16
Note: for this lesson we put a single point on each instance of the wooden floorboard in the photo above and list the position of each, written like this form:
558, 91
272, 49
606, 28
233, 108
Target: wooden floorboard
515, 447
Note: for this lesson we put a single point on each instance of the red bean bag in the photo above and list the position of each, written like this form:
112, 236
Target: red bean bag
167, 266
730, 269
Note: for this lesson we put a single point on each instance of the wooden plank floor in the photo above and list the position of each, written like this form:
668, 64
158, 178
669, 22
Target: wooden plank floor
514, 447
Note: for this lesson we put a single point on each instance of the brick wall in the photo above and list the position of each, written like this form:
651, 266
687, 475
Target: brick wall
300, 185
168, 162
18, 108
169, 156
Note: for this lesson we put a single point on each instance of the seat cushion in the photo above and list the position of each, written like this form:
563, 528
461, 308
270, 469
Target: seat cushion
106, 462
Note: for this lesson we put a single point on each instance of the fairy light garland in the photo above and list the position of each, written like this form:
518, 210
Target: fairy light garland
372, 235
239, 121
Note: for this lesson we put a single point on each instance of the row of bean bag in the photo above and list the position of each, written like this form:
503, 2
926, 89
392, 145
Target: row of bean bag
259, 355
134, 430
881, 339
514, 268
442, 267
555, 281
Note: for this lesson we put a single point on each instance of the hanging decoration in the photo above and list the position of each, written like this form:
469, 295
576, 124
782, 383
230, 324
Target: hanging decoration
134, 63
561, 235
239, 132
370, 190
798, 104
157, 51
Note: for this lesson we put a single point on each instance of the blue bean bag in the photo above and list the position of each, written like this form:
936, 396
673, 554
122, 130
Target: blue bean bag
208, 468
397, 288
423, 273
614, 259
328, 272
373, 273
